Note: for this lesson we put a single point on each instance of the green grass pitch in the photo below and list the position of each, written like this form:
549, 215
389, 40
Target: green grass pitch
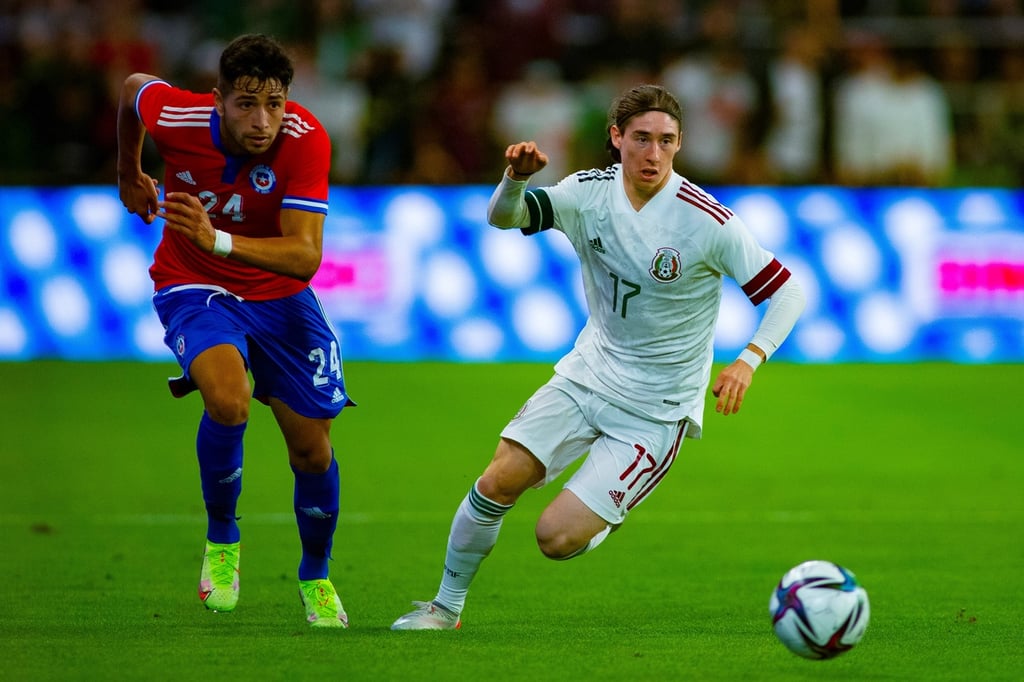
912, 476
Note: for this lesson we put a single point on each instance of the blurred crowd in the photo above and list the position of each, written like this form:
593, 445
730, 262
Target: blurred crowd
853, 92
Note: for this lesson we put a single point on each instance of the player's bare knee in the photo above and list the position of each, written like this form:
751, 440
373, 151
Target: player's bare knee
490, 488
227, 409
512, 471
311, 456
556, 544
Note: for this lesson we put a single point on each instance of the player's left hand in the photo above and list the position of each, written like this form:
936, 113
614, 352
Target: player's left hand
184, 214
731, 386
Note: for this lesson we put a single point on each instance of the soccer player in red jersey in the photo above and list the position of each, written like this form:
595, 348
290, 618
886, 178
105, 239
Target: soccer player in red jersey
245, 197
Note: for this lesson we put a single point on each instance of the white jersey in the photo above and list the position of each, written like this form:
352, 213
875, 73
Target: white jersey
653, 281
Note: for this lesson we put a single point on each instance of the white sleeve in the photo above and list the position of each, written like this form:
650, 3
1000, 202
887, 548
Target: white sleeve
784, 307
507, 208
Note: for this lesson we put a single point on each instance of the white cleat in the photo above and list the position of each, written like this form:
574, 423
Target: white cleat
428, 616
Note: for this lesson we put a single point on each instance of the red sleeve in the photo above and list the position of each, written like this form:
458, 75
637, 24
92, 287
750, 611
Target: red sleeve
148, 102
309, 162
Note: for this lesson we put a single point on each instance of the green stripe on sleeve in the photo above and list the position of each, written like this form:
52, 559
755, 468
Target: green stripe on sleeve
542, 215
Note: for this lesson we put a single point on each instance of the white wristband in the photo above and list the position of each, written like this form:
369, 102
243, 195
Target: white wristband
222, 243
750, 357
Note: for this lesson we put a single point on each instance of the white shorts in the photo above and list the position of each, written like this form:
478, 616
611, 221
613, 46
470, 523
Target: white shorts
629, 454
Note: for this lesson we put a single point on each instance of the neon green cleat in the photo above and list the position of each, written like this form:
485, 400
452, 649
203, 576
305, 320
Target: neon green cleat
218, 581
323, 607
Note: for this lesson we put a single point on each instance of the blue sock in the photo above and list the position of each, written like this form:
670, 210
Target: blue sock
219, 450
317, 499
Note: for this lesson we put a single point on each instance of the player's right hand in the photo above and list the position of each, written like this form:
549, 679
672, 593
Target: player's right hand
525, 158
140, 196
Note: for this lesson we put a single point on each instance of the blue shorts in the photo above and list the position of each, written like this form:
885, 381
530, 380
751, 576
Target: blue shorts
288, 344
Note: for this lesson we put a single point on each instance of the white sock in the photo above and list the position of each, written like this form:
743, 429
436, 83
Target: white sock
473, 535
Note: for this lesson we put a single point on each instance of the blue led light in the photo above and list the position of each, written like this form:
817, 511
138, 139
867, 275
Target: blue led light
415, 273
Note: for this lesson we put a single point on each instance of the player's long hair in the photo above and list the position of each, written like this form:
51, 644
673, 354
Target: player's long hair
252, 62
637, 100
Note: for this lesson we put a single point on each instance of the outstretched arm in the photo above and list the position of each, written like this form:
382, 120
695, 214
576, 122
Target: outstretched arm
507, 208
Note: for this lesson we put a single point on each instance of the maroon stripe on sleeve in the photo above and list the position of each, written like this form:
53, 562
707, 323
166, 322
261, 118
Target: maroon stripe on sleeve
694, 196
762, 278
766, 282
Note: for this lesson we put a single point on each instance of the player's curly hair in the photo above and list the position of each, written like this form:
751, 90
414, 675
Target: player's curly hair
253, 61
637, 100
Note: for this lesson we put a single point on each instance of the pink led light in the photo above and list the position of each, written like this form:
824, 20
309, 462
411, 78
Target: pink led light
362, 273
957, 277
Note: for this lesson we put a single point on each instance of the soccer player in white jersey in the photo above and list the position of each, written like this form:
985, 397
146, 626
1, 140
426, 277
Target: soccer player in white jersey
653, 248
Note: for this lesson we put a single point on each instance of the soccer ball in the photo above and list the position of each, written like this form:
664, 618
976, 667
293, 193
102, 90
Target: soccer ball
819, 610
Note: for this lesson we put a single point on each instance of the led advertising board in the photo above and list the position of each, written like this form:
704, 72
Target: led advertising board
415, 273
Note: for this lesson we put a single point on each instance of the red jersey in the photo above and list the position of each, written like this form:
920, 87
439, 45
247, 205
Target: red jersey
243, 195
